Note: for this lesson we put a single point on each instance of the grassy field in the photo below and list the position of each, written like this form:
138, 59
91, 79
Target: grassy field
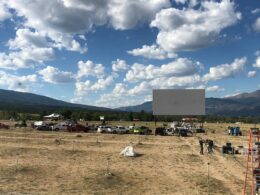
33, 162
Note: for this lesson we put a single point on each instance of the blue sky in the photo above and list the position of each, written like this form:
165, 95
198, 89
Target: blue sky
112, 53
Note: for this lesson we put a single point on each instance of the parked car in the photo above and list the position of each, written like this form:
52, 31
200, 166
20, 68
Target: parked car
142, 130
118, 129
164, 131
4, 126
160, 131
184, 132
21, 123
44, 127
77, 128
170, 131
91, 127
199, 130
104, 129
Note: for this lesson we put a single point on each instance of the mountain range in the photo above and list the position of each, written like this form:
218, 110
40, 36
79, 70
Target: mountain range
244, 104
25, 102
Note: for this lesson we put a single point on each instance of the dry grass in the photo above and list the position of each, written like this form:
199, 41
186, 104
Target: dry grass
33, 162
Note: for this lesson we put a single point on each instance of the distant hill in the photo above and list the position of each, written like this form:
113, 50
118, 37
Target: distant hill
19, 101
244, 104
146, 106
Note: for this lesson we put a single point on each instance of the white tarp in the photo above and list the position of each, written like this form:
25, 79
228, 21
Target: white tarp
128, 151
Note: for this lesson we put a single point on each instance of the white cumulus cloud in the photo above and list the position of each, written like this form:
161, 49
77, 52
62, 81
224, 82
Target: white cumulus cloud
89, 68
84, 87
27, 49
152, 52
119, 65
27, 38
25, 58
179, 67
214, 88
255, 11
17, 83
189, 81
190, 29
256, 25
54, 75
62, 21
257, 62
225, 70
4, 12
125, 14
112, 100
251, 74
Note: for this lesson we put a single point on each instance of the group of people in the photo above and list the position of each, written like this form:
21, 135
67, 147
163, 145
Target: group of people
208, 143
234, 131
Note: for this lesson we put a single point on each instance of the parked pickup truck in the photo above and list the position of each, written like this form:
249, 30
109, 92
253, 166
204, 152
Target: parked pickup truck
118, 129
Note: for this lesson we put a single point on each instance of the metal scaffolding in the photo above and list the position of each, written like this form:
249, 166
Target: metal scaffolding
252, 175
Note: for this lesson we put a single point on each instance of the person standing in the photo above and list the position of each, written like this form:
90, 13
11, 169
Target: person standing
201, 142
210, 146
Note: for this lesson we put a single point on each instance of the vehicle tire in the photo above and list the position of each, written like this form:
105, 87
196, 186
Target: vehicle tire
56, 129
127, 132
114, 132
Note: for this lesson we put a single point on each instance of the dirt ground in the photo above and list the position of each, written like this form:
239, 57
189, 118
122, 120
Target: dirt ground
33, 162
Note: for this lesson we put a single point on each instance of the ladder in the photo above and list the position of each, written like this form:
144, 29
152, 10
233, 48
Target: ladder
252, 174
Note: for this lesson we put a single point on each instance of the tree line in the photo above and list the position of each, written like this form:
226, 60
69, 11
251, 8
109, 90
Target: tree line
120, 116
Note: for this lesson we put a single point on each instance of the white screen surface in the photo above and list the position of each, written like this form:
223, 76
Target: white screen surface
179, 102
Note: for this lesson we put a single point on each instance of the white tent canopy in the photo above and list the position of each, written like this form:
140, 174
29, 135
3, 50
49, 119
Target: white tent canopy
53, 116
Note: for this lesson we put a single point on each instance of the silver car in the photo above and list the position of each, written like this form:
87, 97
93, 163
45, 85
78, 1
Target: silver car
104, 129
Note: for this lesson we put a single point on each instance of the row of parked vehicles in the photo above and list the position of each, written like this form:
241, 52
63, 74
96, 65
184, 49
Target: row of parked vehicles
183, 129
142, 130
72, 126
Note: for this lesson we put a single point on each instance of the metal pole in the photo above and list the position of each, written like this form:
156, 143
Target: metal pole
108, 172
208, 177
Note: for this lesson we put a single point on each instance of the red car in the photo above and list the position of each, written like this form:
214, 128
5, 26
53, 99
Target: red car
77, 128
3, 126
